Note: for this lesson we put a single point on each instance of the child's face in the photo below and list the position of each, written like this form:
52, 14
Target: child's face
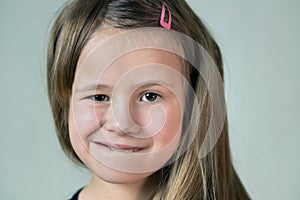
125, 118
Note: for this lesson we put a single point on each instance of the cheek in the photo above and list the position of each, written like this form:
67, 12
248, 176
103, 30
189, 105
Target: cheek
80, 144
171, 131
83, 120
82, 123
77, 141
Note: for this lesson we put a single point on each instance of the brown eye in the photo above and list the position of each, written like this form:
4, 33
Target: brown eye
150, 97
100, 97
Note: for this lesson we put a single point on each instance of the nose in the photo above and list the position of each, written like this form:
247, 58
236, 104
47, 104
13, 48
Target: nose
117, 118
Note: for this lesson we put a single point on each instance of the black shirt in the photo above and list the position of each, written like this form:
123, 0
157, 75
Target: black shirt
75, 196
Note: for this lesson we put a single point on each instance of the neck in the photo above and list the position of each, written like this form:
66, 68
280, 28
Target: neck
101, 189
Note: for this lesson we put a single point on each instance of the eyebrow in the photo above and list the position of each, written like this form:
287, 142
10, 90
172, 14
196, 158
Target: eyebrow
93, 87
155, 83
146, 84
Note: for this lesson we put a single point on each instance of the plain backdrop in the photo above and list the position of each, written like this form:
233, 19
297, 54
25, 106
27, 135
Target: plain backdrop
260, 44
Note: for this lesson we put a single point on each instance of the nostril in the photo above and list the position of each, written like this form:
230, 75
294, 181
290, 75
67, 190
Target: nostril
121, 128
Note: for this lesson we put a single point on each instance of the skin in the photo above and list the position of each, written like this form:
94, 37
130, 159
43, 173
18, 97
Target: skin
123, 106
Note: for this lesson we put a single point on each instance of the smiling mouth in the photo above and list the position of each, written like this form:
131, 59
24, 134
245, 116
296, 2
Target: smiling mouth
122, 148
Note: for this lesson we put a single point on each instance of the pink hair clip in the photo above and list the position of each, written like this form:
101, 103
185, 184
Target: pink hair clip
164, 24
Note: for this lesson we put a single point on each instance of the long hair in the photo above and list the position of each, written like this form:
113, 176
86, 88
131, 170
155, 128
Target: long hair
189, 177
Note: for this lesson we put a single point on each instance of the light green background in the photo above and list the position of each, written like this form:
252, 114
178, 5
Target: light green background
260, 44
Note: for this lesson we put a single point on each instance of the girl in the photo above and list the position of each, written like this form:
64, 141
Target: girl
136, 95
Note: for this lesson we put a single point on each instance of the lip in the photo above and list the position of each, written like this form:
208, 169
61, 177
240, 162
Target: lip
121, 147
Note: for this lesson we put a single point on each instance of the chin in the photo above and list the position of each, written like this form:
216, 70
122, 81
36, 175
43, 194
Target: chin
113, 176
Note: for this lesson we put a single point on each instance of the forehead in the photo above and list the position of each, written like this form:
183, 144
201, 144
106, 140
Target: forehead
107, 60
103, 37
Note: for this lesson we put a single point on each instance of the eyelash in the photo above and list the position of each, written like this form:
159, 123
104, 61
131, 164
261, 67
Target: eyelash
157, 96
103, 97
94, 97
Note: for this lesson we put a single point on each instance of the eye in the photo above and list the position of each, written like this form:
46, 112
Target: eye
150, 97
99, 97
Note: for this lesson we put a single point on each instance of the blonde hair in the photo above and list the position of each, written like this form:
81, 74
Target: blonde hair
189, 177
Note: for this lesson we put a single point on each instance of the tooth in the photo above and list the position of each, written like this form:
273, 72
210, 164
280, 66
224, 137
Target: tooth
121, 150
128, 151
